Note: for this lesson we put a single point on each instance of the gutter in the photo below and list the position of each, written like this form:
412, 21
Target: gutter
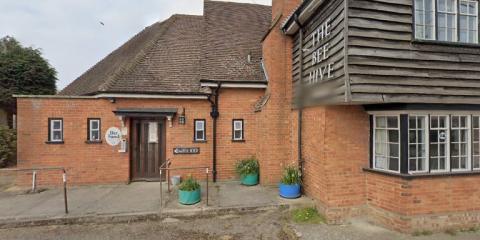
301, 161
302, 13
215, 114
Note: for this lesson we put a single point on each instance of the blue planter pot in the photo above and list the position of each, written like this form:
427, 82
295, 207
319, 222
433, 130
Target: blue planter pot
249, 179
289, 191
189, 197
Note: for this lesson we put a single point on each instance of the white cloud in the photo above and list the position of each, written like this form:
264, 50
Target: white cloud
69, 31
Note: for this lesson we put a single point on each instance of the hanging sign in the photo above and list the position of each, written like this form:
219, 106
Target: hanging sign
184, 150
113, 136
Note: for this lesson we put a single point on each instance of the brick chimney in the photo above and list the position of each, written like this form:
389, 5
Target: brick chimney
275, 149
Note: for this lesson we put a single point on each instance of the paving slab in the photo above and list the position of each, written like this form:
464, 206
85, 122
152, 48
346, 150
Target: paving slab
133, 201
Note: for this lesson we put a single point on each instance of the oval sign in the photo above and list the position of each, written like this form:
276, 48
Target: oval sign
113, 136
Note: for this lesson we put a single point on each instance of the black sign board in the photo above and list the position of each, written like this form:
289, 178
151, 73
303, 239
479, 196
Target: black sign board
184, 150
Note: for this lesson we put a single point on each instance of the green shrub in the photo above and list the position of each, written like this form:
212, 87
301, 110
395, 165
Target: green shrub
247, 166
307, 215
189, 184
291, 176
8, 146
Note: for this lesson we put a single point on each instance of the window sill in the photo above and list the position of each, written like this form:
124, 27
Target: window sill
53, 142
199, 141
238, 141
444, 43
93, 142
423, 175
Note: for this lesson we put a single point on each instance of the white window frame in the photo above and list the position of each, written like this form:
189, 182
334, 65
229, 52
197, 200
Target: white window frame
469, 142
202, 129
427, 143
399, 141
53, 130
468, 15
447, 142
91, 130
472, 141
424, 18
235, 129
446, 12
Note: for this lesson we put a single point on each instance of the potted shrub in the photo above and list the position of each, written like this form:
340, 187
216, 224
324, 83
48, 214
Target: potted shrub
248, 170
289, 186
189, 191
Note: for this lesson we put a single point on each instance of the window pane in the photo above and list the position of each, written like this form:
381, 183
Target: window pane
94, 125
57, 125
463, 7
57, 135
199, 135
393, 164
381, 122
95, 135
238, 125
238, 135
199, 125
392, 122
441, 5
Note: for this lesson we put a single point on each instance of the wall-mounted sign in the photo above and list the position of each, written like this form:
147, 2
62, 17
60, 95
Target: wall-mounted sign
152, 132
184, 150
320, 56
113, 136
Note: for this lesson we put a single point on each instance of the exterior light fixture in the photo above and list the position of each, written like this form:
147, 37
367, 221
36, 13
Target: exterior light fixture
181, 118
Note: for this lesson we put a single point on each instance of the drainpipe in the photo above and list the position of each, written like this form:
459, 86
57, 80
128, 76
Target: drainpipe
300, 103
215, 114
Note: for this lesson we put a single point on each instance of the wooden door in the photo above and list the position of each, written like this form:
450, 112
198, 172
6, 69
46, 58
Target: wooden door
148, 149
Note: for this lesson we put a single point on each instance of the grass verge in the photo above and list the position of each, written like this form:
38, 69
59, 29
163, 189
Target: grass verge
307, 215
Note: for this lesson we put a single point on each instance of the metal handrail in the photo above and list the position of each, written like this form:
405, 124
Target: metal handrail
34, 170
168, 169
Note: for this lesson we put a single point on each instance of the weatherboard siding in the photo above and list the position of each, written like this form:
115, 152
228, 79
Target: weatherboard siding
335, 10
385, 64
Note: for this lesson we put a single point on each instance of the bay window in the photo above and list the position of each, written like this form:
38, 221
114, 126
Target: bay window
423, 142
446, 20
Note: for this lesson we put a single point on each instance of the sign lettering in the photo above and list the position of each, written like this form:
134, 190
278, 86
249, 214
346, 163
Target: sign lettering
321, 55
184, 150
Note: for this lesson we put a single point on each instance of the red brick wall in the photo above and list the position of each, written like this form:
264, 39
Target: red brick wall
273, 122
335, 143
434, 203
101, 163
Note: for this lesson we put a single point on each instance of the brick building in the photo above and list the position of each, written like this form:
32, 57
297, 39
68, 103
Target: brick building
377, 105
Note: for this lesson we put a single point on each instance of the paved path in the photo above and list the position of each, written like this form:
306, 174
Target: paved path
136, 198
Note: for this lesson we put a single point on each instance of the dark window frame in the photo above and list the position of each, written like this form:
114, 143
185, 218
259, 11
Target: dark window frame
195, 130
89, 140
50, 137
242, 130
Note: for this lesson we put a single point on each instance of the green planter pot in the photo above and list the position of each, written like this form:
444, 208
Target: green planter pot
249, 179
189, 197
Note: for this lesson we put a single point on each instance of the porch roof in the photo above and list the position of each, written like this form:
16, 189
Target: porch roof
145, 112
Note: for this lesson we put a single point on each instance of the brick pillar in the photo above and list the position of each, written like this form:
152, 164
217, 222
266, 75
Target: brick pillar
273, 122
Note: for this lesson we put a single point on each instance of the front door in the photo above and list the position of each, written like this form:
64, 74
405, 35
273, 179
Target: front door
148, 149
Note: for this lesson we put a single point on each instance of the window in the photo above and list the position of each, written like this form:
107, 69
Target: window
94, 130
199, 132
446, 20
237, 131
425, 19
476, 142
387, 143
438, 143
417, 143
459, 142
55, 131
468, 21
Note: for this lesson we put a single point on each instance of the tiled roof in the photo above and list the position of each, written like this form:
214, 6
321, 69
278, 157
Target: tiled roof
174, 55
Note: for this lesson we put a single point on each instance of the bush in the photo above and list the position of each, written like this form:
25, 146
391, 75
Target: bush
247, 166
291, 176
8, 146
189, 184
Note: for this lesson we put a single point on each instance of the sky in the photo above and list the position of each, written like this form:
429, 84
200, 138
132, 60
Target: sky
73, 35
